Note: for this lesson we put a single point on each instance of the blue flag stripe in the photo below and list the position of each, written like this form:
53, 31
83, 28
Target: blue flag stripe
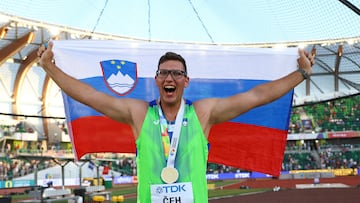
199, 89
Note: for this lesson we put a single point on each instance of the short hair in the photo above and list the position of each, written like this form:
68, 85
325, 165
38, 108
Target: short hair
172, 56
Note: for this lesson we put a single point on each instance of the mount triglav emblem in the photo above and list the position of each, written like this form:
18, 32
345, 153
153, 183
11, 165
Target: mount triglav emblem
120, 75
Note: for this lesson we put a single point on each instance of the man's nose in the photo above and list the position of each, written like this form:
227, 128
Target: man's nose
169, 76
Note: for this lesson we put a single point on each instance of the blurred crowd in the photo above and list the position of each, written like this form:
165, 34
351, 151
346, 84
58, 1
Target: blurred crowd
329, 158
336, 115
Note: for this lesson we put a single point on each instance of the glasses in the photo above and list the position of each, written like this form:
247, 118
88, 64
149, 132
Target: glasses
176, 74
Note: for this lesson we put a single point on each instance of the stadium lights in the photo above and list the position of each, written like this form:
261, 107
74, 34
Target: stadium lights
3, 18
352, 41
279, 46
10, 60
54, 31
302, 45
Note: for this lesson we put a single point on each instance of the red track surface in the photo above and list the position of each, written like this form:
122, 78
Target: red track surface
290, 184
288, 193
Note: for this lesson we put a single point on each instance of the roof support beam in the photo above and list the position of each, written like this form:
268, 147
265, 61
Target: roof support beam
44, 97
337, 65
351, 6
3, 31
307, 84
20, 75
15, 47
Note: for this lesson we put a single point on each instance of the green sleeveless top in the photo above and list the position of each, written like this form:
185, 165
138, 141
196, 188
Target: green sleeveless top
191, 157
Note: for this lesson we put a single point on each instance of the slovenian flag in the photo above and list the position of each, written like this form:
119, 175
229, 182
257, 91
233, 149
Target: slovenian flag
254, 141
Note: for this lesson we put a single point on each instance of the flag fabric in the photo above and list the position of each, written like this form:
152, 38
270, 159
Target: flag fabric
254, 141
91, 165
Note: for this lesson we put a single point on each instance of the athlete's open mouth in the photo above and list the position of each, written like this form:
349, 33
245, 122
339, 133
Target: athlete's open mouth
169, 88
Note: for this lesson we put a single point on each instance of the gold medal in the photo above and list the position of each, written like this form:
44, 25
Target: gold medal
169, 175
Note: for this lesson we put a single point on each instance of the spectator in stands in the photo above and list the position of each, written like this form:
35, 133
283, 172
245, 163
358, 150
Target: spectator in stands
7, 149
49, 186
171, 79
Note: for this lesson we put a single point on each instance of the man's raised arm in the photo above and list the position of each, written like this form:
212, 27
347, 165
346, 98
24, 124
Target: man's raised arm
231, 107
115, 108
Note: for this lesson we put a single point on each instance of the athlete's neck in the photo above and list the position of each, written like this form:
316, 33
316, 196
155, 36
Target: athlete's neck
170, 110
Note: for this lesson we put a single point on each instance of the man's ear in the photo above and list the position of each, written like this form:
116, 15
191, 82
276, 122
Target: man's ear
187, 80
156, 83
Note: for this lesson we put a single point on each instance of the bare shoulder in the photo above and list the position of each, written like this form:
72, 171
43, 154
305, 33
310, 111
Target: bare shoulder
204, 110
138, 108
137, 103
124, 110
204, 105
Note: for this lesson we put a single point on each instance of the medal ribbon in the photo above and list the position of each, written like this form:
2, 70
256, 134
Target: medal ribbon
171, 147
165, 137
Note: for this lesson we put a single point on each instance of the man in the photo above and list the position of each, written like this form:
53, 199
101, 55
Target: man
171, 132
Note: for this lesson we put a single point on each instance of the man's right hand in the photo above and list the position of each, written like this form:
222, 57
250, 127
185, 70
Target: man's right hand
45, 54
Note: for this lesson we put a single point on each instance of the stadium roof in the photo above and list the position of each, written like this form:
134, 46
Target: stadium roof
207, 21
328, 28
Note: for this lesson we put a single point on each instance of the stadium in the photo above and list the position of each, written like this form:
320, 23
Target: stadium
323, 143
